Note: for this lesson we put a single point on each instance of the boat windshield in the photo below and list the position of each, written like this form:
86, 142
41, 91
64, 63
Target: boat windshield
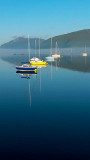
25, 65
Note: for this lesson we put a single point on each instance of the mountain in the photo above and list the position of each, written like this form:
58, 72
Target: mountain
74, 39
21, 43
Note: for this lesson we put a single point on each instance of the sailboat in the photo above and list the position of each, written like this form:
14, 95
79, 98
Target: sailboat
55, 55
27, 67
85, 53
50, 58
36, 61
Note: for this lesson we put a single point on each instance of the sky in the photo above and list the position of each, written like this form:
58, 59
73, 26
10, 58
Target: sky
42, 18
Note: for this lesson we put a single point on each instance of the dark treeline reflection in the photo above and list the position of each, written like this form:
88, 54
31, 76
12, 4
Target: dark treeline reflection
77, 63
72, 62
70, 58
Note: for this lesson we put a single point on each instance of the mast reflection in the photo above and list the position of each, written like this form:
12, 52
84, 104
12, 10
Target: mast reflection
27, 75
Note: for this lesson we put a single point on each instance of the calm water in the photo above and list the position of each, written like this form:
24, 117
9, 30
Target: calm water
48, 115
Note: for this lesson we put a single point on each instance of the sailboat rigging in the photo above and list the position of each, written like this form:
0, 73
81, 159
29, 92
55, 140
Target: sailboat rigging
50, 58
26, 66
56, 55
36, 61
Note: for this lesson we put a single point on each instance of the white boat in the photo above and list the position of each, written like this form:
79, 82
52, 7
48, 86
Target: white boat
84, 54
49, 59
55, 55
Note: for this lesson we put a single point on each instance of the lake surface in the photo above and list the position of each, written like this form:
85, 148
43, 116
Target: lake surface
48, 115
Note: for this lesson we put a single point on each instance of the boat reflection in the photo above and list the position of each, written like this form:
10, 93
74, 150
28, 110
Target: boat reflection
71, 59
41, 66
79, 63
25, 74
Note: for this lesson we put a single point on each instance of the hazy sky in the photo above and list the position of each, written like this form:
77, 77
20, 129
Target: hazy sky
42, 18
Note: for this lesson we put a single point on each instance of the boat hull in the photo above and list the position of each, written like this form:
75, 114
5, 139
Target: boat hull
26, 69
50, 59
56, 56
38, 63
84, 54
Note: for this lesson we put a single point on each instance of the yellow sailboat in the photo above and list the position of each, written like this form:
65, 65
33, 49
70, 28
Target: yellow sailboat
36, 61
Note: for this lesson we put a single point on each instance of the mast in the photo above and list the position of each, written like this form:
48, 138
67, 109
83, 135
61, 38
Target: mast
29, 93
56, 46
40, 80
71, 54
51, 45
29, 47
85, 47
39, 47
35, 47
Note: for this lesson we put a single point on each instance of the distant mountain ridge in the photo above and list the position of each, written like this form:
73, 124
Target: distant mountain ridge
21, 43
73, 39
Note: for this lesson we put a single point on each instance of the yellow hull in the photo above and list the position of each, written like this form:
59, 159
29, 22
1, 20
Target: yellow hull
38, 63
35, 71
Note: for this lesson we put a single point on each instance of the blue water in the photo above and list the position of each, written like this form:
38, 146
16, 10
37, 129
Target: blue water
48, 115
